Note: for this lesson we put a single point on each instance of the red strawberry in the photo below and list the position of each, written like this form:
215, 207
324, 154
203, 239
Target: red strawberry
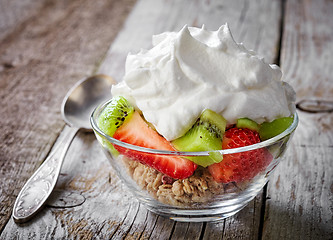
137, 132
242, 166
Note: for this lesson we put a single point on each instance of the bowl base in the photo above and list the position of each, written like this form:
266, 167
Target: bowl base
212, 215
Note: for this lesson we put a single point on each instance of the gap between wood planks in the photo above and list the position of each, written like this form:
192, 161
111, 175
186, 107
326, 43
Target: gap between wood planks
277, 61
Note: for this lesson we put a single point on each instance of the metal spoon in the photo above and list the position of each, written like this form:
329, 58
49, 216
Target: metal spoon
76, 108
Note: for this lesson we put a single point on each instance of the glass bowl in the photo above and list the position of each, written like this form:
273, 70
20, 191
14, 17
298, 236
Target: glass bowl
199, 197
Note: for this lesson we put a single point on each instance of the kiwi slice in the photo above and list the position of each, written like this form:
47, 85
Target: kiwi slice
112, 117
206, 134
271, 129
247, 123
114, 114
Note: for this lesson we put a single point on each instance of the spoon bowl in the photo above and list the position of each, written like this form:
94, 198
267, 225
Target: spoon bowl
76, 109
83, 97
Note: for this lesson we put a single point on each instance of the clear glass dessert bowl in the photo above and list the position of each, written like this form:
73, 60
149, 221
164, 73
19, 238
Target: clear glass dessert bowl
199, 197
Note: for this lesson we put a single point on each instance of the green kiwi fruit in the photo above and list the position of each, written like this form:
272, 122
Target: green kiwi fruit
247, 123
206, 134
114, 114
112, 117
271, 129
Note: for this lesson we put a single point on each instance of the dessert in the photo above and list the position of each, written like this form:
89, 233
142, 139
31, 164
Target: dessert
196, 91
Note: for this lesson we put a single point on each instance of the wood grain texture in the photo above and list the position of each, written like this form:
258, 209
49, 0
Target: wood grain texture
258, 33
307, 48
39, 61
14, 13
301, 190
109, 211
49, 51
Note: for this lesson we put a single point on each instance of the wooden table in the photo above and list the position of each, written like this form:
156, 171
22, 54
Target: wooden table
46, 46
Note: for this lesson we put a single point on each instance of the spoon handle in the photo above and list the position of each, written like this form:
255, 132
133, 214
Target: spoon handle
40, 185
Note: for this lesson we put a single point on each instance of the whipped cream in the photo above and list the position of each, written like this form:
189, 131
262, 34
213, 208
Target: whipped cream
195, 69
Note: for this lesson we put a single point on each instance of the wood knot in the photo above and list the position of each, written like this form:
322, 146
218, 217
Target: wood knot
315, 106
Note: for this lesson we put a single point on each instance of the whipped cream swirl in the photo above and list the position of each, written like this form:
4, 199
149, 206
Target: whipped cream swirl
195, 69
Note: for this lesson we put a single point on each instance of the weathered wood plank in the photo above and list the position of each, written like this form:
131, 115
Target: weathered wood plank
106, 205
241, 226
258, 33
300, 204
109, 210
40, 61
14, 13
143, 225
185, 230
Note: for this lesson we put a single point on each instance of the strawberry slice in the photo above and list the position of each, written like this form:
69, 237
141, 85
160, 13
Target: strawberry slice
137, 132
242, 166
